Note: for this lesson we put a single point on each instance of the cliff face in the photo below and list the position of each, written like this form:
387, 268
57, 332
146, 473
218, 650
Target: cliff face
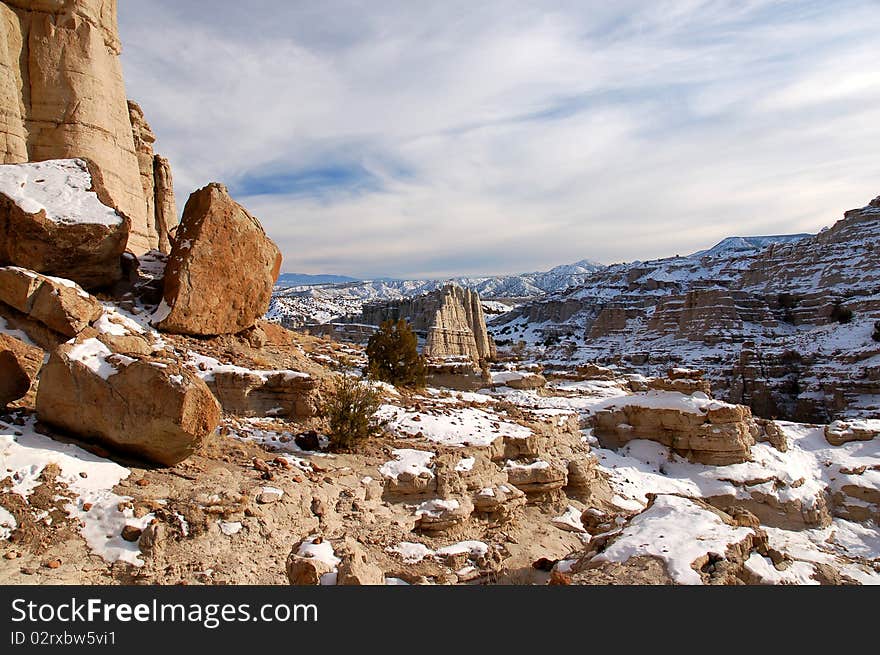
786, 329
62, 95
451, 320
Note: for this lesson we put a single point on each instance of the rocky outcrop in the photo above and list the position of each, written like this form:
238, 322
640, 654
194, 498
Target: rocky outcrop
19, 365
156, 181
283, 394
157, 411
451, 320
221, 270
704, 431
56, 218
62, 95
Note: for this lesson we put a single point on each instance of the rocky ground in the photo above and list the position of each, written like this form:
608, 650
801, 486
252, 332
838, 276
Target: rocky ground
496, 487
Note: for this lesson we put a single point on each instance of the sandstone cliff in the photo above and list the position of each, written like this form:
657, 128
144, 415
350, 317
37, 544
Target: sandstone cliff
62, 95
451, 320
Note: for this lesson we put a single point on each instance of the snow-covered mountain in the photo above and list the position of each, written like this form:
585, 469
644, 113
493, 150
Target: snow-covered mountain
735, 245
320, 303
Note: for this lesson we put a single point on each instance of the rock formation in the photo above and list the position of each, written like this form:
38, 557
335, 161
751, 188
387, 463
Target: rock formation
56, 218
704, 431
62, 95
451, 320
161, 413
221, 271
286, 394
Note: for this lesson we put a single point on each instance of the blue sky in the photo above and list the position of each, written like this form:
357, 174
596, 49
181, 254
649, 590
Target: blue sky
417, 139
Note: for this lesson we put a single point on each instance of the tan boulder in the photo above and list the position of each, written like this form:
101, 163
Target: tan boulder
19, 365
355, 567
221, 271
158, 411
306, 571
59, 304
55, 218
443, 514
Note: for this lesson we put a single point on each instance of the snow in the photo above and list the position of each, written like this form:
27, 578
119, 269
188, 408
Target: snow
161, 313
93, 354
435, 508
7, 523
58, 187
696, 403
677, 531
319, 549
799, 573
454, 427
230, 528
207, 367
410, 553
406, 460
466, 464
24, 458
474, 549
538, 465
570, 520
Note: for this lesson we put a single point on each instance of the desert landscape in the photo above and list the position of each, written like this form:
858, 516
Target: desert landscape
176, 407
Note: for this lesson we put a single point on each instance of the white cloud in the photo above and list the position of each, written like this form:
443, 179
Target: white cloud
505, 137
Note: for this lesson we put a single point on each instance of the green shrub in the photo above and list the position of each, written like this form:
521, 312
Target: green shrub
393, 356
876, 335
350, 412
841, 314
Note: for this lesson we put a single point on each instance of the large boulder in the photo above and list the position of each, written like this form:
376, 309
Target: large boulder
56, 218
221, 271
157, 411
58, 304
19, 365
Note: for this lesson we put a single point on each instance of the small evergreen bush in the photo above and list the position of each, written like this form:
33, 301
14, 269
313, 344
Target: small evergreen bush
350, 411
393, 356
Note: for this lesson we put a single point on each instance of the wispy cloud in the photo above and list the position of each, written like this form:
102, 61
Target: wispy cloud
442, 138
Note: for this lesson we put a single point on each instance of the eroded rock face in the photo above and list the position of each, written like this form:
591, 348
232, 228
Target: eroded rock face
62, 95
56, 218
221, 270
704, 431
156, 181
271, 393
841, 432
156, 411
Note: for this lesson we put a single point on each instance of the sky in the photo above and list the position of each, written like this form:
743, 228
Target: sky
439, 138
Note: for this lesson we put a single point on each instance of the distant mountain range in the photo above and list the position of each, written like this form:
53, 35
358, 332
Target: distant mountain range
302, 299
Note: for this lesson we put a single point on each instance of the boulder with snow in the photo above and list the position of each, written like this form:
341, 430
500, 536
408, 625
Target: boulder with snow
221, 271
57, 218
60, 305
536, 479
841, 432
703, 430
154, 410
